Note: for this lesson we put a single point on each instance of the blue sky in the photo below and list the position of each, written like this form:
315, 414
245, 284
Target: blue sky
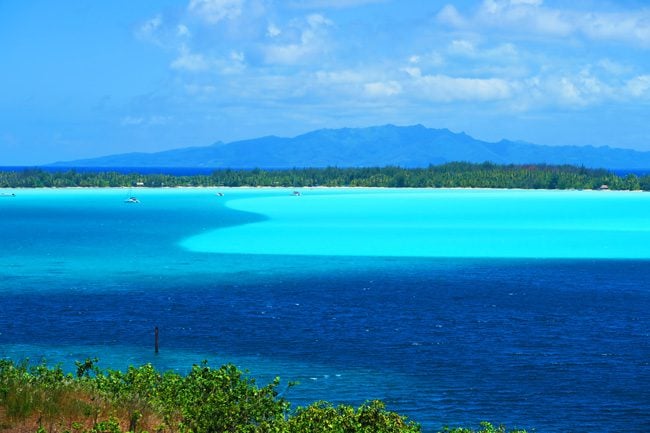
81, 79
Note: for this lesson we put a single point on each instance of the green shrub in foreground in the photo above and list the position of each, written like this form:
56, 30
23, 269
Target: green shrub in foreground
322, 417
206, 400
485, 427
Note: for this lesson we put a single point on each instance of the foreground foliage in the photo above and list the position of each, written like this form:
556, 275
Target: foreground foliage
452, 175
206, 400
486, 427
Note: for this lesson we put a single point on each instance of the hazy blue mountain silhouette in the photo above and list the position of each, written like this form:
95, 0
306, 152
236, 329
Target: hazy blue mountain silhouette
405, 146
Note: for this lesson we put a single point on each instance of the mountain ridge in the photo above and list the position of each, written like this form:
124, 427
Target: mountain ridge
404, 146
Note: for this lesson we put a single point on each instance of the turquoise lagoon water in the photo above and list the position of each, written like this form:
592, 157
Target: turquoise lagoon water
439, 223
453, 306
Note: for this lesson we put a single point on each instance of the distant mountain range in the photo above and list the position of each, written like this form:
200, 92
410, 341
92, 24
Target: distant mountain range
405, 146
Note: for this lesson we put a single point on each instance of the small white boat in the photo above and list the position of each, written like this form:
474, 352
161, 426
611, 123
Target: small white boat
219, 194
132, 200
7, 194
296, 193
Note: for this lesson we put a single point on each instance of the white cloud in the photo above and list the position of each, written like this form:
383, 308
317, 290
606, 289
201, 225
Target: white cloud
577, 91
526, 16
504, 50
445, 88
462, 47
492, 6
149, 29
527, 2
182, 31
461, 68
189, 61
449, 15
639, 86
569, 92
214, 11
613, 67
272, 31
340, 77
286, 54
434, 59
425, 60
237, 56
470, 50
312, 4
131, 121
317, 20
617, 26
159, 120
381, 89
235, 64
592, 86
412, 71
311, 41
153, 120
200, 90
534, 18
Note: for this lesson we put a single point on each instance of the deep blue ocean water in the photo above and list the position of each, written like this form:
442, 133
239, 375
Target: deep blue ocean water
552, 344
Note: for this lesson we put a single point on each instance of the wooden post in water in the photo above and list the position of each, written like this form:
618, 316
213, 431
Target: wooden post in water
156, 335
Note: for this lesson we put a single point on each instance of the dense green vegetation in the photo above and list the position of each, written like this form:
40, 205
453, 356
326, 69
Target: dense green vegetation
206, 400
452, 175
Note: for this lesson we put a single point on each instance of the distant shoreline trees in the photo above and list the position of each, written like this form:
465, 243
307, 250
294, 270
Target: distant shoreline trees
450, 175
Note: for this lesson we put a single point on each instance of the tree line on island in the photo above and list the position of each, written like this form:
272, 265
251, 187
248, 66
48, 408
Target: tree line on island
42, 399
451, 175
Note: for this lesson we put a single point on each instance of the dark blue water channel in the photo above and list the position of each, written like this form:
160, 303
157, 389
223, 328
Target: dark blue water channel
555, 346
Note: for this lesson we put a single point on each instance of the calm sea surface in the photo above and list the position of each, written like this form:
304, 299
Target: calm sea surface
530, 308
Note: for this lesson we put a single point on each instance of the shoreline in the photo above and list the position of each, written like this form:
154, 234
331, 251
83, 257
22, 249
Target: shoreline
454, 175
324, 188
